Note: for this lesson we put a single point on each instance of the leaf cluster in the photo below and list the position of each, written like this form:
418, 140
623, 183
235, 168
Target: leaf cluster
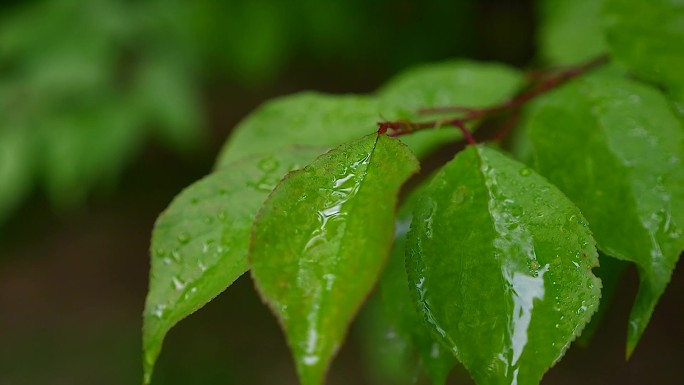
489, 260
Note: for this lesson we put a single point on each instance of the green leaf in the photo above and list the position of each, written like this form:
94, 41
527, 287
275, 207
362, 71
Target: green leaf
396, 298
571, 31
614, 146
86, 146
499, 263
454, 83
307, 118
311, 118
647, 37
16, 168
610, 271
321, 239
199, 244
165, 93
388, 357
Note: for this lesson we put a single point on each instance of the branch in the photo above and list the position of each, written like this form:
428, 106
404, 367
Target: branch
543, 86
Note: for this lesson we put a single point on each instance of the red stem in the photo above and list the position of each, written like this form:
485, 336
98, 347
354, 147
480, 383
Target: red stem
544, 86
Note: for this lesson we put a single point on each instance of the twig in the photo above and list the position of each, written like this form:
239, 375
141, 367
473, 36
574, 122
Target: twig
406, 127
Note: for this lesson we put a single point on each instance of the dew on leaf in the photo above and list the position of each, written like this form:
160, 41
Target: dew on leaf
183, 238
190, 293
459, 195
177, 283
525, 171
268, 165
159, 310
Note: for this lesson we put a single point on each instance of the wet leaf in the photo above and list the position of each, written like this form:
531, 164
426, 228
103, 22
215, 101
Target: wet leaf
307, 118
610, 271
454, 83
321, 240
311, 118
647, 37
499, 264
436, 359
199, 244
614, 146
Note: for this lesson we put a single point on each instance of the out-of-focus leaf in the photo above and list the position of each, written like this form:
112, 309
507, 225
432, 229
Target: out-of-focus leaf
610, 271
85, 147
570, 31
389, 357
321, 240
199, 244
499, 264
326, 120
647, 37
16, 168
615, 147
308, 118
165, 93
455, 83
436, 359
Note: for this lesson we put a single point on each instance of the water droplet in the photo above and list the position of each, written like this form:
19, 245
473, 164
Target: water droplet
525, 171
209, 219
159, 310
183, 237
222, 215
515, 211
167, 261
459, 195
190, 293
268, 165
160, 252
310, 359
176, 255
194, 201
177, 283
222, 191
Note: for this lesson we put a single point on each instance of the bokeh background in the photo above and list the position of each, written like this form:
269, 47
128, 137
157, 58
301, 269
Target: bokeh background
108, 108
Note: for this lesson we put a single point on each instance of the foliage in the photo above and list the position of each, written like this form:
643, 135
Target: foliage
84, 84
499, 256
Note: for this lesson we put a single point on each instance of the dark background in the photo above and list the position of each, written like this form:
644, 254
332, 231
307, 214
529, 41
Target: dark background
73, 277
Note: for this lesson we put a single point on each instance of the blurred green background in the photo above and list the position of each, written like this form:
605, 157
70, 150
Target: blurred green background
108, 108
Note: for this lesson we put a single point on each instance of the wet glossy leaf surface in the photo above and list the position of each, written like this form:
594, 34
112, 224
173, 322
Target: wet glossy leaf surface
647, 37
499, 264
199, 244
436, 359
321, 240
311, 118
614, 147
